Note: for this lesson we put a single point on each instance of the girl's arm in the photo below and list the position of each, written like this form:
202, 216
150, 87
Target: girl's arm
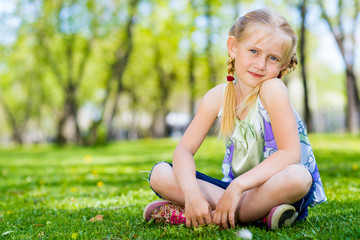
275, 99
197, 209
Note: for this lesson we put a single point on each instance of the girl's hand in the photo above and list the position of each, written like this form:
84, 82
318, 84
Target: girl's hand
226, 207
197, 211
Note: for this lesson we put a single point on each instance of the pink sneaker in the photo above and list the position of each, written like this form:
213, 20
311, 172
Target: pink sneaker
281, 216
165, 212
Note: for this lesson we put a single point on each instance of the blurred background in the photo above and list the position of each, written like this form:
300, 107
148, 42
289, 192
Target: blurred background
92, 71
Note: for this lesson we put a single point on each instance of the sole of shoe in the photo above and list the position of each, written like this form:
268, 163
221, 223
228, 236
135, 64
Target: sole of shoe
282, 216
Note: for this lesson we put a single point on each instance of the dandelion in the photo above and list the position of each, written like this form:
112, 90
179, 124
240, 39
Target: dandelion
88, 158
244, 234
42, 182
355, 167
100, 184
74, 235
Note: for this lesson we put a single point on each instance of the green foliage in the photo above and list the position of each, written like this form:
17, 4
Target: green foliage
54, 37
49, 192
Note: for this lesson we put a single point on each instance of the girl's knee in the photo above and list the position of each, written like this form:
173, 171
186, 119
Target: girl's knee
296, 181
159, 174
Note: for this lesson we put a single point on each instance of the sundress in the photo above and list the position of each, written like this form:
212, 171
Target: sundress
253, 141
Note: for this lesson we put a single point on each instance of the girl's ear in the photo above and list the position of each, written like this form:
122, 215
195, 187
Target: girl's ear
232, 46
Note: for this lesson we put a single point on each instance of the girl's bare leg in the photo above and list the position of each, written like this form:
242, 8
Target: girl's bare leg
287, 186
163, 182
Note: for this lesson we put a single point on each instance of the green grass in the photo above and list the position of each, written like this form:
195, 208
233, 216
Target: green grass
50, 193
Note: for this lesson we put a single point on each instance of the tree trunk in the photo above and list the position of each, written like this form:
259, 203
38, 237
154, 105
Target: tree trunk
16, 133
348, 54
353, 109
307, 112
69, 114
159, 127
122, 58
208, 48
191, 82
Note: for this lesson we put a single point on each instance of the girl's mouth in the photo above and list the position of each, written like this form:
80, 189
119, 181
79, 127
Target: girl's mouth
255, 75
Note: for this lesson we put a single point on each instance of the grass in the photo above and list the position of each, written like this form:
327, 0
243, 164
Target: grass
50, 193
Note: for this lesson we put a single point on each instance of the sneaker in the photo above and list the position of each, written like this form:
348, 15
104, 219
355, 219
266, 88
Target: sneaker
281, 216
164, 211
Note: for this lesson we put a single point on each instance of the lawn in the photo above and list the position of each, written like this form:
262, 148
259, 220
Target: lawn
51, 193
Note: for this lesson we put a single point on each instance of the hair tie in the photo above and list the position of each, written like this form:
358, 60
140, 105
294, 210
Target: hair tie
230, 78
279, 76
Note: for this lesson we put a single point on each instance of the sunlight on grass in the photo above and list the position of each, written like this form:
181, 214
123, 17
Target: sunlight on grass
50, 192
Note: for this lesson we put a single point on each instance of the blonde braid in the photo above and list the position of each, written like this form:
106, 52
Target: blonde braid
229, 103
250, 99
291, 66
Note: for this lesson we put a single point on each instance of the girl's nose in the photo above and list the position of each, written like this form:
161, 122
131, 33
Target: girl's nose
261, 64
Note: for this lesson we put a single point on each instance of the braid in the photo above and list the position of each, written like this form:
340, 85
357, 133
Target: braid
250, 99
229, 103
230, 66
291, 66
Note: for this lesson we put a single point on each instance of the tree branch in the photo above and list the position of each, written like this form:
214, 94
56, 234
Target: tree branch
339, 37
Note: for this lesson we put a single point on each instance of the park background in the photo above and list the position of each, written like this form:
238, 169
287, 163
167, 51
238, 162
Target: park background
92, 93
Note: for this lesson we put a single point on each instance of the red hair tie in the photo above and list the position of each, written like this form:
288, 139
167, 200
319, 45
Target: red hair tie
230, 78
279, 76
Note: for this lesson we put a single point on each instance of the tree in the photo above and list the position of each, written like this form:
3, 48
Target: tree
346, 41
21, 88
302, 43
66, 37
122, 54
209, 46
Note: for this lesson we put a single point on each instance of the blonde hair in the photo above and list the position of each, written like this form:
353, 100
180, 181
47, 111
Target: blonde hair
243, 28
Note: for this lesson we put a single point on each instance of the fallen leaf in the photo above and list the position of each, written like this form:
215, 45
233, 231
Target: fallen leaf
96, 218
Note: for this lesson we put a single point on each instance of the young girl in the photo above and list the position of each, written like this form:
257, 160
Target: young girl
270, 173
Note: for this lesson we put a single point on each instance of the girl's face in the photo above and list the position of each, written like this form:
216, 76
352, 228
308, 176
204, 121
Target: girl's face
259, 57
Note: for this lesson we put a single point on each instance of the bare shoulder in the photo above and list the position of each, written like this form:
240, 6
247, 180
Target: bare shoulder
213, 99
274, 91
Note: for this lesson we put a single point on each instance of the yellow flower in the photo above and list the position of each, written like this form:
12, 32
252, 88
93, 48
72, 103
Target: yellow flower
74, 236
73, 189
88, 158
355, 166
94, 172
100, 184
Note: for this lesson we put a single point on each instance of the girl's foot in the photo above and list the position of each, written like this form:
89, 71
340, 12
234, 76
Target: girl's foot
165, 212
281, 216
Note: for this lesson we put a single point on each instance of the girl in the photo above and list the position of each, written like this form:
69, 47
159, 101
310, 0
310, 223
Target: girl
270, 173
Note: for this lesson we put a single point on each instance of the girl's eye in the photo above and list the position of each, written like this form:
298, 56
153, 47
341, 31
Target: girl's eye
273, 58
253, 51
